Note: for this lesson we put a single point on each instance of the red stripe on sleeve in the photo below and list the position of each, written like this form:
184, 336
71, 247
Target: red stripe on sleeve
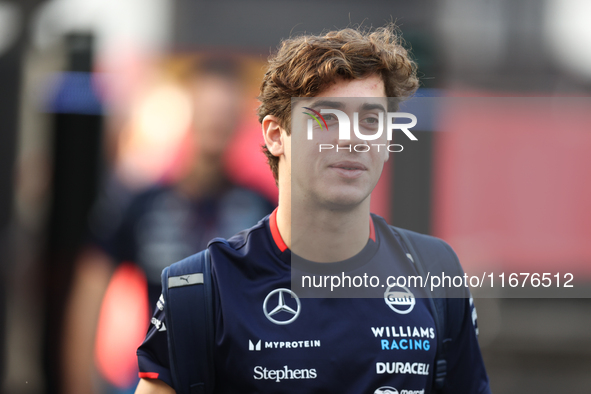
148, 375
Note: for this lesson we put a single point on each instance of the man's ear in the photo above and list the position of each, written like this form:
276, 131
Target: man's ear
272, 134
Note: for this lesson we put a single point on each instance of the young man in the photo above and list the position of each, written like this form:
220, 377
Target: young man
268, 338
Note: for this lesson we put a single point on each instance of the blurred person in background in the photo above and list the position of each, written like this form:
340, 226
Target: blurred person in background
159, 226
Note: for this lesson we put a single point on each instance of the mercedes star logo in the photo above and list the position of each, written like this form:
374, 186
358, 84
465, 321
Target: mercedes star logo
283, 313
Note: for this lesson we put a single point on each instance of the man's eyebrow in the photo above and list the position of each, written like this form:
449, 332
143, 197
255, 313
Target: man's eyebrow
370, 106
327, 103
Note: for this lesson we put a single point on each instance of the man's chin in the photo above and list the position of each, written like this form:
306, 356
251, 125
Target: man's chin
344, 202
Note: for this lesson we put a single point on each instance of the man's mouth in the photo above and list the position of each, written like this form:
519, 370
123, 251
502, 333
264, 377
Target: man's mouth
349, 169
351, 166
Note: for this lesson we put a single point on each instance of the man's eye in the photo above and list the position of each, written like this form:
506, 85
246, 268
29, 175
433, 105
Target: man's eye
371, 120
330, 117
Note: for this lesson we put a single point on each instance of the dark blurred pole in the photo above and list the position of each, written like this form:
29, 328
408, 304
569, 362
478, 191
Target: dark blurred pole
10, 78
11, 65
76, 144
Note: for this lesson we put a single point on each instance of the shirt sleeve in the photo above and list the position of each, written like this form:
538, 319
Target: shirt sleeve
465, 368
152, 354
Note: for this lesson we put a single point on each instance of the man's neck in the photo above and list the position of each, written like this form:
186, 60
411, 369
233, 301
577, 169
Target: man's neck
323, 235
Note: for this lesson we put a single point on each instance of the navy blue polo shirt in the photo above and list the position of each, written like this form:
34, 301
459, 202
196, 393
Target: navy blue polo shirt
270, 339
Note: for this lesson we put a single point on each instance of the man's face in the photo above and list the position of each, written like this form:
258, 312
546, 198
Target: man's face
345, 178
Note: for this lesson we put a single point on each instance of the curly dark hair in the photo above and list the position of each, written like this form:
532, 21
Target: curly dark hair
306, 65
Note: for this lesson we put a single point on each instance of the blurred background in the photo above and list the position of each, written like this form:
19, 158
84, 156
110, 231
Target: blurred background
113, 148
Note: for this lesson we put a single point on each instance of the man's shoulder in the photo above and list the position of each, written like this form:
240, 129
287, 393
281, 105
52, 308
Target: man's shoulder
250, 241
415, 237
431, 253
243, 238
424, 239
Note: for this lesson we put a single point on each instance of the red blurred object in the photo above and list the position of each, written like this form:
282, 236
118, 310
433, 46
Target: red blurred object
512, 184
123, 322
245, 162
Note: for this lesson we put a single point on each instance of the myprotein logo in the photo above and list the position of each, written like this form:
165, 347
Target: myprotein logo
286, 373
373, 123
257, 346
253, 347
